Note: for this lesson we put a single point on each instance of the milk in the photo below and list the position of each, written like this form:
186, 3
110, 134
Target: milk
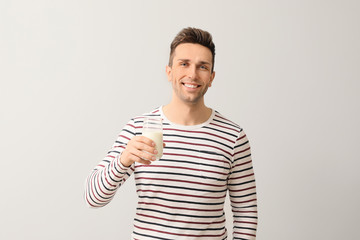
157, 137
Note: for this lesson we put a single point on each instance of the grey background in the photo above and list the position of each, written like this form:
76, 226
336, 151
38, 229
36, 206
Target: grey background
74, 72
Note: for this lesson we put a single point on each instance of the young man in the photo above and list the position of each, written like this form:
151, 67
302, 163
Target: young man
181, 196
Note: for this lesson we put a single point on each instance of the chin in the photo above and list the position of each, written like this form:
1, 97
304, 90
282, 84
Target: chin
192, 101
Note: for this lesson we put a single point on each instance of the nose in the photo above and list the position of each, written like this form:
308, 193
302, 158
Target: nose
192, 72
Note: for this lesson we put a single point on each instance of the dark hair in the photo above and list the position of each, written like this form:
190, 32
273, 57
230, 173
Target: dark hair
193, 35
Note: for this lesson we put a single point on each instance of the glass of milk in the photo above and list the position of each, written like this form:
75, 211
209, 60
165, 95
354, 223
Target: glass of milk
153, 129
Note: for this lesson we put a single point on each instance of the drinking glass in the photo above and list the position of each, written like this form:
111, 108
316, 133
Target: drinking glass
153, 129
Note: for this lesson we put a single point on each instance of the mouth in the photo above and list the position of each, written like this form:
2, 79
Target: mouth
191, 85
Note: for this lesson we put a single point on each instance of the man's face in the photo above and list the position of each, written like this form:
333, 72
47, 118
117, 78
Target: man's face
190, 73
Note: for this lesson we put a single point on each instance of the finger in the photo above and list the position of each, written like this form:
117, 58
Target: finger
144, 147
142, 153
145, 140
140, 160
145, 155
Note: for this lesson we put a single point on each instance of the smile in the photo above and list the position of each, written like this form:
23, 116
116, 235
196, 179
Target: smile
191, 85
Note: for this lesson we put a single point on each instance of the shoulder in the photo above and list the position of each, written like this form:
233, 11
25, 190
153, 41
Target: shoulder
222, 121
135, 124
140, 118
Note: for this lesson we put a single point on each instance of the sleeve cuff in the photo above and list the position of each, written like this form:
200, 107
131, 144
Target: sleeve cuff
120, 165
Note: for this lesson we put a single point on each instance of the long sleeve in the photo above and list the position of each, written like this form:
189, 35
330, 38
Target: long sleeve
242, 191
103, 182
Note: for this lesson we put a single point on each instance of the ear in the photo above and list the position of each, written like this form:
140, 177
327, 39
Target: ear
212, 78
168, 71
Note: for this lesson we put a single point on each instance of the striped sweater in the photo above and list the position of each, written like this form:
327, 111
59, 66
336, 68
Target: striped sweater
182, 195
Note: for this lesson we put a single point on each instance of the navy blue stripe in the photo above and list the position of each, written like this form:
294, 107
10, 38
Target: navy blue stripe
145, 235
198, 138
241, 144
247, 195
125, 130
183, 188
182, 228
243, 157
226, 123
237, 184
243, 170
103, 184
218, 130
178, 214
241, 216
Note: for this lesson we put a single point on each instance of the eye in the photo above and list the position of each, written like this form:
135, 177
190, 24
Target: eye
183, 64
203, 67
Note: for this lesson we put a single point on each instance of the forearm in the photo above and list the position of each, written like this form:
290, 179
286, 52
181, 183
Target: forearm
242, 191
109, 174
244, 207
105, 179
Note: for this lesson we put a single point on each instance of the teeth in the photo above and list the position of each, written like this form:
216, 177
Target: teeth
190, 86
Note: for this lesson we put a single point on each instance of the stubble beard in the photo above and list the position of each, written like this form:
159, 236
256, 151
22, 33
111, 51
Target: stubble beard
188, 99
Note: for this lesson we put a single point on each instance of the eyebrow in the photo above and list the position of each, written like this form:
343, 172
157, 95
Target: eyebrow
188, 60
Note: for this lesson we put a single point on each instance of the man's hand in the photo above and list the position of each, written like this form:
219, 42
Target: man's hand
139, 149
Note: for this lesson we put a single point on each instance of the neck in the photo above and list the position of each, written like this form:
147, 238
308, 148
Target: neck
187, 113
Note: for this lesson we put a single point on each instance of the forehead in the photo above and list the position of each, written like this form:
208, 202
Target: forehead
193, 51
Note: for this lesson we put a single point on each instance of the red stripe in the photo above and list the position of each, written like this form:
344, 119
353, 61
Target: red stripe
173, 129
87, 192
242, 176
198, 144
242, 189
124, 137
120, 146
108, 180
133, 126
180, 194
115, 174
245, 201
245, 234
130, 125
192, 169
242, 164
242, 151
140, 117
118, 164
172, 220
98, 182
178, 234
182, 208
177, 180
192, 156
241, 137
93, 194
87, 200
